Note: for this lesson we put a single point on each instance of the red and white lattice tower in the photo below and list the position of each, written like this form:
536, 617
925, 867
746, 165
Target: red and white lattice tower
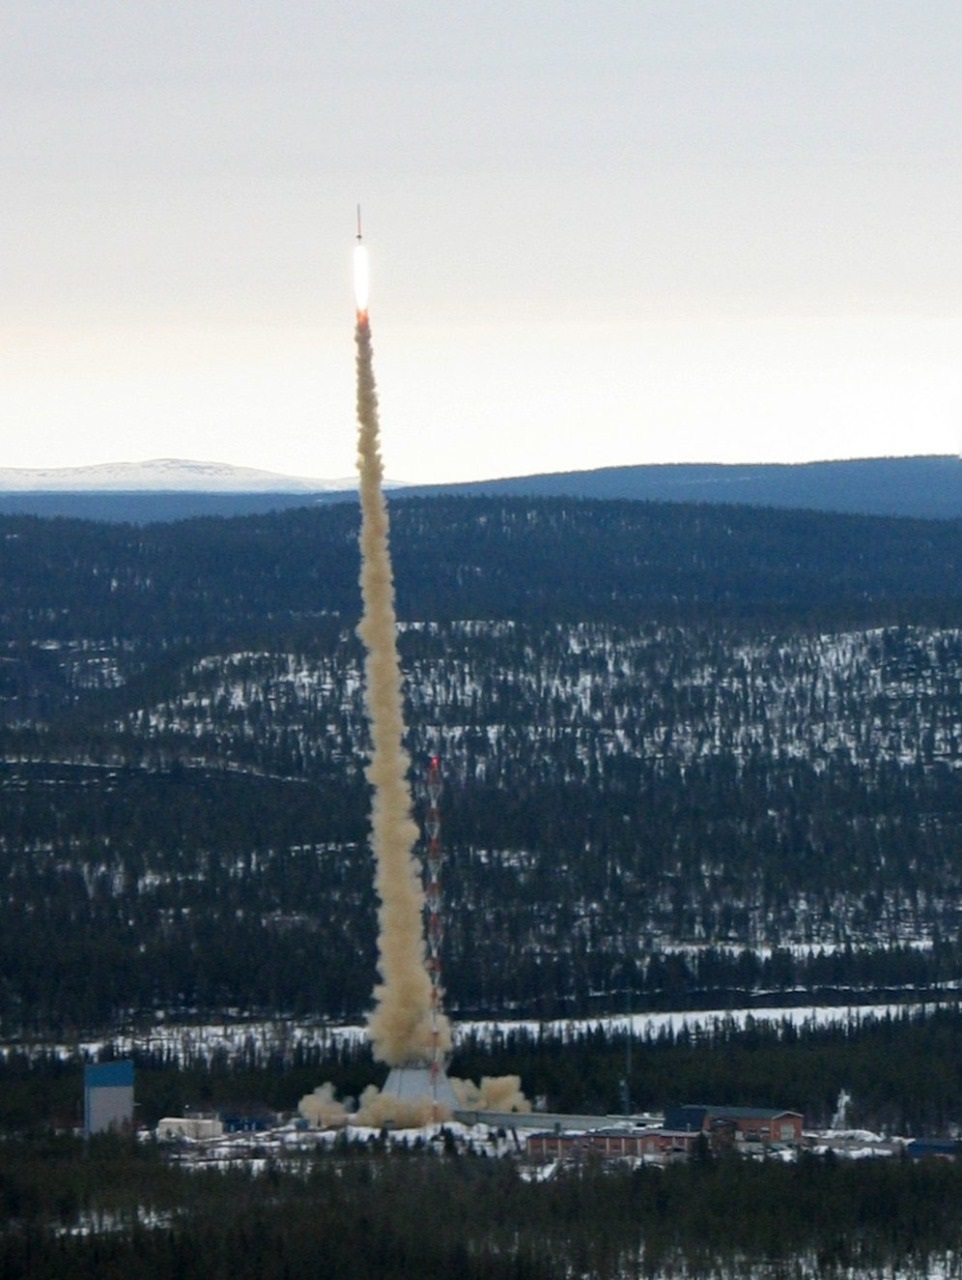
432, 898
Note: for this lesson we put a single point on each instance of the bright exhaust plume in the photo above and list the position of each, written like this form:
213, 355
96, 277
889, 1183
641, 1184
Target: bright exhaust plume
362, 278
405, 1027
400, 1025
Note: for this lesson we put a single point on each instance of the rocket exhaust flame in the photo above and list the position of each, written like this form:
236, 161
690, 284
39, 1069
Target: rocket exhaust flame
361, 272
361, 279
401, 1023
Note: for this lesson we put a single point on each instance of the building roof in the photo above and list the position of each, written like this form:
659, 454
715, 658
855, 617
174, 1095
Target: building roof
750, 1113
109, 1075
694, 1116
934, 1147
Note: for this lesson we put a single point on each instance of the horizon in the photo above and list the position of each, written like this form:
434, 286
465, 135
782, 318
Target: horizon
644, 235
231, 475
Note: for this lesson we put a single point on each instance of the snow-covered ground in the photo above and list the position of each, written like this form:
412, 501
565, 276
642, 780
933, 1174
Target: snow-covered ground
652, 1024
258, 1039
941, 1268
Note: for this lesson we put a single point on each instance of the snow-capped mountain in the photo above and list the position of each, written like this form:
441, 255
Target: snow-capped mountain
165, 475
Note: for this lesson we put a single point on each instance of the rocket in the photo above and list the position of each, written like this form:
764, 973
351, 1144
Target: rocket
361, 276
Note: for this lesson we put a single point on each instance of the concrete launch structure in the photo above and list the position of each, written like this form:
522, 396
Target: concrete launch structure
420, 1082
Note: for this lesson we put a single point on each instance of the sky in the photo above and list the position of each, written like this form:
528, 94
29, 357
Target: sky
632, 231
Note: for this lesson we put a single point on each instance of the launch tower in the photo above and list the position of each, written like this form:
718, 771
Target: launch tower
432, 897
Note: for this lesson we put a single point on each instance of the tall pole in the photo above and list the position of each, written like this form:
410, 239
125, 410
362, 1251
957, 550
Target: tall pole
435, 923
628, 1001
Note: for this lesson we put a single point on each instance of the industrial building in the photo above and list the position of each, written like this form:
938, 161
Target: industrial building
729, 1126
193, 1127
108, 1097
654, 1146
736, 1128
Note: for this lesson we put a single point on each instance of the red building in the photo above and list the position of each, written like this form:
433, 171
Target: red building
656, 1145
729, 1126
736, 1128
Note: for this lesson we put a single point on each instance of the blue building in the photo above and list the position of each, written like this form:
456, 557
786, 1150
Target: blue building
108, 1096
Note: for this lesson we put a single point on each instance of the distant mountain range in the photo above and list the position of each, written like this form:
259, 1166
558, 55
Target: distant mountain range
926, 487
172, 489
159, 475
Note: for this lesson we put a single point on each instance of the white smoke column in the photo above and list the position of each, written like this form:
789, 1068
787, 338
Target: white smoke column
400, 1024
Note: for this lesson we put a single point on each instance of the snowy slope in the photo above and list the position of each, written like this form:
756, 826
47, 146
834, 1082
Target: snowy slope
160, 475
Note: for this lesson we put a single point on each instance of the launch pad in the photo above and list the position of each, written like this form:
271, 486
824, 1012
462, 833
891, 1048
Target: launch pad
420, 1082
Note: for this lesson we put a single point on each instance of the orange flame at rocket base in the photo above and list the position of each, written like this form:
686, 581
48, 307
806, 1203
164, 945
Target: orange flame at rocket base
362, 279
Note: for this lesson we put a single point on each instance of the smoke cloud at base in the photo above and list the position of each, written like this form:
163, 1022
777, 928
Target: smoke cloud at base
494, 1093
322, 1110
401, 1026
378, 1109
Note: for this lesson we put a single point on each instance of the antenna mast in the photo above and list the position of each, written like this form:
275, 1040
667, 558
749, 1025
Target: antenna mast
432, 897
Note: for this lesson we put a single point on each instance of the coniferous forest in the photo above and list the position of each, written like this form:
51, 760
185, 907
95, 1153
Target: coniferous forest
354, 1212
693, 757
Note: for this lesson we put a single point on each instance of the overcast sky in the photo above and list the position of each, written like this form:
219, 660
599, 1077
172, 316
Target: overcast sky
601, 233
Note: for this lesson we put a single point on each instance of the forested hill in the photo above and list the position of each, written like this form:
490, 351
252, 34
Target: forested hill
457, 558
927, 488
684, 749
930, 487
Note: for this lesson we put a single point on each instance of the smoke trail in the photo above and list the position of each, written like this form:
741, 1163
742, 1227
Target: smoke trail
400, 1024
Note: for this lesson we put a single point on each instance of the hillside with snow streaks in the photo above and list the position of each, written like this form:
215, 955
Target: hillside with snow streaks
699, 814
587, 695
694, 757
157, 475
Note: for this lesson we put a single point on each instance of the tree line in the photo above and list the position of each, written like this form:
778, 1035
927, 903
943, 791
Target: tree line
101, 1210
903, 1071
